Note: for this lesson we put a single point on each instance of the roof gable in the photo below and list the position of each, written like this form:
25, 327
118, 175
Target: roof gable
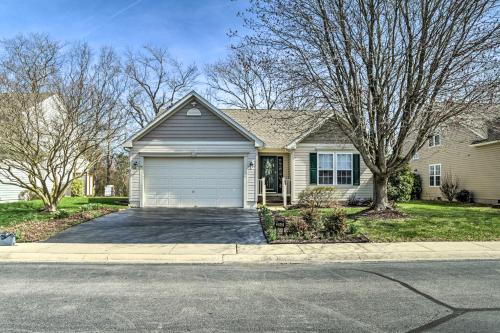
277, 128
223, 123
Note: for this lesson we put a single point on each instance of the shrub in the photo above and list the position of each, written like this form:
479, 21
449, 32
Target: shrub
311, 217
352, 200
61, 214
268, 221
400, 184
297, 227
89, 207
77, 188
352, 229
271, 234
317, 197
464, 196
416, 191
449, 187
336, 222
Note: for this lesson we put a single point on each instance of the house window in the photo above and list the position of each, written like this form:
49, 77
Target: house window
344, 169
325, 169
415, 157
434, 140
435, 175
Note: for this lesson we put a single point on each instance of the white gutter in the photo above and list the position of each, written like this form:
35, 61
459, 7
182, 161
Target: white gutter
484, 143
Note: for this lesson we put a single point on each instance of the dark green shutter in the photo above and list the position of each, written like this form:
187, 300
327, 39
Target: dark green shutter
313, 168
355, 169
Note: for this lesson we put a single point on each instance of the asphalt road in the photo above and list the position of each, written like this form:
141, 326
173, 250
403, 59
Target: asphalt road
370, 297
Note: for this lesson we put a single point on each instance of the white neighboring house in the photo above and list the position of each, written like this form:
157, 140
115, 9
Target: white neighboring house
11, 193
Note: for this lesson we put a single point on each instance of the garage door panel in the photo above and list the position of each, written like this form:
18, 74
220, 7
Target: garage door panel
193, 182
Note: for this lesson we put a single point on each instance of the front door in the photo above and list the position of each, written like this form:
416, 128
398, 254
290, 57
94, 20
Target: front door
271, 168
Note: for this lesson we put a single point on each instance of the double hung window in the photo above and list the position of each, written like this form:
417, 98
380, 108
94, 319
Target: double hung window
334, 169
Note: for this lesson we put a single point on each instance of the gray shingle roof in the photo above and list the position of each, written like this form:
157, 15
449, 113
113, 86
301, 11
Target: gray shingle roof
277, 128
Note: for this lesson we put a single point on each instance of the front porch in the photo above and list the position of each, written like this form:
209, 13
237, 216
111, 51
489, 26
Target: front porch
274, 178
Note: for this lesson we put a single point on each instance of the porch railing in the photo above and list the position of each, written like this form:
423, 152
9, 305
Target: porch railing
286, 189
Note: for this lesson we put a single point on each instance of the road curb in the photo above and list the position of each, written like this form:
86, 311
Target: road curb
124, 258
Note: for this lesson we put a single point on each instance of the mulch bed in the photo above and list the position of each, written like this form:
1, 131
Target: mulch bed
34, 231
344, 239
319, 239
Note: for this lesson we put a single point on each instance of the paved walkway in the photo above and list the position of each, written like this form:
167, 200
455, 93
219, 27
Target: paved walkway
233, 253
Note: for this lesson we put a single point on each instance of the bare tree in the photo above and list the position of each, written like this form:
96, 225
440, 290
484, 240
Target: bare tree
249, 79
54, 113
156, 80
390, 71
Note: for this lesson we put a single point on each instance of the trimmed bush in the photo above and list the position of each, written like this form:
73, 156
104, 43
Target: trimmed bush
400, 184
336, 222
77, 188
464, 196
311, 217
297, 227
317, 197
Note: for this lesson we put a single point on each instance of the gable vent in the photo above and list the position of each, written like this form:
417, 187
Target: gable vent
194, 112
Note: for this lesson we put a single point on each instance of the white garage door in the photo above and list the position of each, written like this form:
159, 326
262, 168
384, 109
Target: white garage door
193, 182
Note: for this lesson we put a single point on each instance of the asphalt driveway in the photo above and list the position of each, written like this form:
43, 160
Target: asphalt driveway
168, 225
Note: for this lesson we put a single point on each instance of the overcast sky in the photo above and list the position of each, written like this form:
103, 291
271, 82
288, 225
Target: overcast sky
192, 30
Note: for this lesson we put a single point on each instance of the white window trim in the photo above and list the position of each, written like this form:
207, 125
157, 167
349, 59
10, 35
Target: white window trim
333, 168
434, 141
334, 157
440, 169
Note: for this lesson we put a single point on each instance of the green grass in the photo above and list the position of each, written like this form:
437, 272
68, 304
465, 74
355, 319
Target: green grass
429, 221
18, 212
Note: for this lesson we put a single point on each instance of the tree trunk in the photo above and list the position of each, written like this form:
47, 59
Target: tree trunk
380, 201
50, 207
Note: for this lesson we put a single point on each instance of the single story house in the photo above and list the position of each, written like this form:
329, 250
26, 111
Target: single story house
196, 155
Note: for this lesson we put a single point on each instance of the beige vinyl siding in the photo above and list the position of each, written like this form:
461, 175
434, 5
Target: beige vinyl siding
301, 166
180, 127
149, 148
476, 168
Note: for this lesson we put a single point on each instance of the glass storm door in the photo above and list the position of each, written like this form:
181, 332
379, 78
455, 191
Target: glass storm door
271, 168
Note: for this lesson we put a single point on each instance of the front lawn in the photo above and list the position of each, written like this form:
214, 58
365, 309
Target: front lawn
27, 220
425, 221
435, 221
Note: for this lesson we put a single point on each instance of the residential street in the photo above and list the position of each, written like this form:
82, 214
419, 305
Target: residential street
367, 297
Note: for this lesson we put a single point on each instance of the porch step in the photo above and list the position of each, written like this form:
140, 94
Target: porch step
274, 200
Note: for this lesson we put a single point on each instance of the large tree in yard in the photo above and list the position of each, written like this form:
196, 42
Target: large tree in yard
57, 108
156, 81
391, 71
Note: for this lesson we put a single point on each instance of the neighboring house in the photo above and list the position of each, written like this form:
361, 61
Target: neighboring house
11, 193
467, 149
195, 155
